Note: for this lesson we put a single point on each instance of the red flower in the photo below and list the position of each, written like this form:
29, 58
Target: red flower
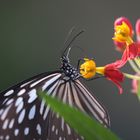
123, 38
120, 20
113, 73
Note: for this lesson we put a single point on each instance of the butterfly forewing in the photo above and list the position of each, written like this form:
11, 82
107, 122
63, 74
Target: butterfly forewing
24, 116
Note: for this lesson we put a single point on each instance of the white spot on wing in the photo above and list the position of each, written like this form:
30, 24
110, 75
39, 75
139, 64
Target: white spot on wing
1, 111
26, 131
42, 106
32, 95
46, 112
56, 131
18, 101
22, 91
26, 83
20, 107
38, 128
57, 115
62, 124
9, 101
21, 116
4, 114
16, 132
9, 92
53, 128
50, 82
69, 130
37, 82
32, 112
5, 124
11, 123
5, 101
7, 137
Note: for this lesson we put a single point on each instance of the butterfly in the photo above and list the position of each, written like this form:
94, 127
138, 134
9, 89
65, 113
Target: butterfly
23, 116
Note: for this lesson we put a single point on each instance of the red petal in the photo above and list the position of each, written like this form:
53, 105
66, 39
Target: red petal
115, 76
117, 64
130, 52
118, 85
120, 46
138, 46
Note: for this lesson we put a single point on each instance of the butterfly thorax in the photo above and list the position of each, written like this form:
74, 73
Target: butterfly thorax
68, 69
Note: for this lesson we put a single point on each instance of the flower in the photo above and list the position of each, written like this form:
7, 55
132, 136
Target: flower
119, 21
123, 39
88, 68
111, 71
123, 33
120, 46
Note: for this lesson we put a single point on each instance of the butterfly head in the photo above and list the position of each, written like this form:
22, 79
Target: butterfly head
64, 59
68, 69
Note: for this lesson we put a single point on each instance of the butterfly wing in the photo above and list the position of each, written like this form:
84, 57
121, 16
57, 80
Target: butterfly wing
90, 104
24, 116
75, 94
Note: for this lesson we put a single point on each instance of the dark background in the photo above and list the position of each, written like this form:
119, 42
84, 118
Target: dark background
32, 34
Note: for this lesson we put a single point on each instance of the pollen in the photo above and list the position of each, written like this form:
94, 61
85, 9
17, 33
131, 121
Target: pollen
88, 68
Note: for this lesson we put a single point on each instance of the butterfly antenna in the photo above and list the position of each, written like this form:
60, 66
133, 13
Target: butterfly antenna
81, 49
67, 38
73, 39
68, 52
69, 34
84, 52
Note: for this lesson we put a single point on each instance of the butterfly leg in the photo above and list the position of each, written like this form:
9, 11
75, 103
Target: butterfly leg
78, 63
97, 77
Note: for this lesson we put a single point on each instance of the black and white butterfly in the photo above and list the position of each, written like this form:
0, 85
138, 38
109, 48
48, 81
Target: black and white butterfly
23, 116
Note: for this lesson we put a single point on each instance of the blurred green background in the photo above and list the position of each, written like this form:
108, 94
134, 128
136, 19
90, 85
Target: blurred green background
32, 34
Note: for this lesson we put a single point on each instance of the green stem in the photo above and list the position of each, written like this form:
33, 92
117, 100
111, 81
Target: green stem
130, 76
137, 61
133, 65
138, 91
